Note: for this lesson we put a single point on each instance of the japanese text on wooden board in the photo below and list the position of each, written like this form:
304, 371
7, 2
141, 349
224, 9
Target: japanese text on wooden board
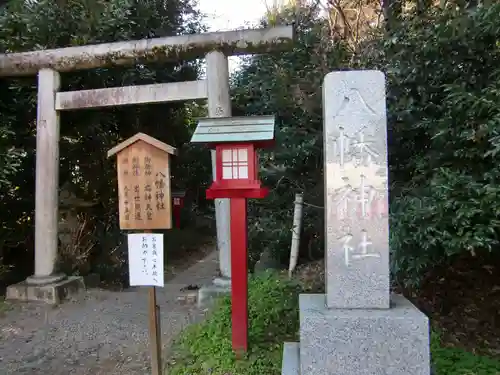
145, 256
145, 202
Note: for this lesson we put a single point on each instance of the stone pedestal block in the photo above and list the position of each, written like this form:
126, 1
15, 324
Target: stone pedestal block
52, 293
391, 341
291, 359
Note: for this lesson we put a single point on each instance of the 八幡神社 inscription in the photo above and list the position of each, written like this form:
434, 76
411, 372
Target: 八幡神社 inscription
160, 191
145, 256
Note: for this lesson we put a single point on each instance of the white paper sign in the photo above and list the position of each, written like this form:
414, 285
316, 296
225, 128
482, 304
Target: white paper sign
145, 259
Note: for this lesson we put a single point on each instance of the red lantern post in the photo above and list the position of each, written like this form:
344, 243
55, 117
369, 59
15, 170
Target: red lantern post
236, 140
178, 203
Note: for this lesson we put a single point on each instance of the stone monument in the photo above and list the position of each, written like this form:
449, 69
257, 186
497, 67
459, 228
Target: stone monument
358, 327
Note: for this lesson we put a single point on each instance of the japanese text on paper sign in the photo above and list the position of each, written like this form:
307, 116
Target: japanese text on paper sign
146, 259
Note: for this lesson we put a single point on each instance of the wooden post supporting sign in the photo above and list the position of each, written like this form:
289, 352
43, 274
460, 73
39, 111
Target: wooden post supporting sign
144, 200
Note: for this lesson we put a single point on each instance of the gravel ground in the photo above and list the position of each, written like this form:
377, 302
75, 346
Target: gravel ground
99, 332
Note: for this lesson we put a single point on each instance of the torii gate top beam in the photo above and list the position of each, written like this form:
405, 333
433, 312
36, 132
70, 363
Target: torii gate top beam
238, 42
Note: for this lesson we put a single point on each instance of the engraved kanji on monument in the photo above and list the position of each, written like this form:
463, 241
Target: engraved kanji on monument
356, 193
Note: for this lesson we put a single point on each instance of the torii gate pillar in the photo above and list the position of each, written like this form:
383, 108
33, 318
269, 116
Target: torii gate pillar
219, 105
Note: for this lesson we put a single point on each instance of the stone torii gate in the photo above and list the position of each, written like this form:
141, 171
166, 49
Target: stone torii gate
46, 284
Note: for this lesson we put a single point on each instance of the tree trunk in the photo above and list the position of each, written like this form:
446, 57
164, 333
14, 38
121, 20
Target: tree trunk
392, 10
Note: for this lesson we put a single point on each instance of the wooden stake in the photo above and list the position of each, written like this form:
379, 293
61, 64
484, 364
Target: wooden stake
154, 332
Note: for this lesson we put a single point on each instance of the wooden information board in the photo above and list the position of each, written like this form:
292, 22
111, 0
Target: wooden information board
144, 183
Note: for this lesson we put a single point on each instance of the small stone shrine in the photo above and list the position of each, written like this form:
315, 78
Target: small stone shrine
70, 207
358, 327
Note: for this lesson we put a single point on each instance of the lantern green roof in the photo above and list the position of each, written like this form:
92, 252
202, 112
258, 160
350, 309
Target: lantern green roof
234, 129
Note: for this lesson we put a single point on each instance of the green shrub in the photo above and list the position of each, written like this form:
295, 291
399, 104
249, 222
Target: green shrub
444, 127
273, 318
443, 124
455, 361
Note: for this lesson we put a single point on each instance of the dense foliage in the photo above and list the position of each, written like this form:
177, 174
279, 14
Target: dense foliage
443, 82
444, 122
86, 135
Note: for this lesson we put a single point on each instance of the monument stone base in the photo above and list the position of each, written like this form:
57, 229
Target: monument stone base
51, 293
392, 341
291, 359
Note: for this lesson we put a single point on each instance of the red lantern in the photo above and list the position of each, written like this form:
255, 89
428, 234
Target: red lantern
236, 140
236, 166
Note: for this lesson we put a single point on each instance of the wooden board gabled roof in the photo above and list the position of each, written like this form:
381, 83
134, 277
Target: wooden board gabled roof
234, 129
145, 138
